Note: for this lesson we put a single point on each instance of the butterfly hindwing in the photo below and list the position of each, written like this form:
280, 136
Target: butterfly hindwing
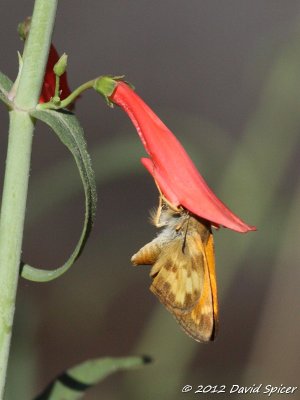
178, 276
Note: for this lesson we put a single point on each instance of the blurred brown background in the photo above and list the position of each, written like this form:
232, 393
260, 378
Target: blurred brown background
225, 77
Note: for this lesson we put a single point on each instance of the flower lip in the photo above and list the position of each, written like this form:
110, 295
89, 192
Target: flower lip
171, 167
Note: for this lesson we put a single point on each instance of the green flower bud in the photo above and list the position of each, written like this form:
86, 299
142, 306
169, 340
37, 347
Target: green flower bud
61, 65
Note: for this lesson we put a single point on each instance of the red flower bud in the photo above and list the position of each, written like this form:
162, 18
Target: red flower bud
172, 169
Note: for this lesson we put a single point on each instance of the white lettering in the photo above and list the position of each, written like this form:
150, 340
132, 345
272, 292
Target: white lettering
234, 388
269, 389
245, 389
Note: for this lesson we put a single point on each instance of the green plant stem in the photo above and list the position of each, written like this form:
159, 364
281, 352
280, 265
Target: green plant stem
36, 54
18, 167
11, 225
57, 80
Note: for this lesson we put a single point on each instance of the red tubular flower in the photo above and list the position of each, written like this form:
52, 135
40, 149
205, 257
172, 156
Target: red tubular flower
173, 170
48, 89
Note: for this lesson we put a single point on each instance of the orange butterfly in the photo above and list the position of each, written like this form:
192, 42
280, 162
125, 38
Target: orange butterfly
183, 272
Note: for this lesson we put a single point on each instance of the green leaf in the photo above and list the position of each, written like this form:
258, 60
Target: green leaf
72, 384
5, 86
67, 128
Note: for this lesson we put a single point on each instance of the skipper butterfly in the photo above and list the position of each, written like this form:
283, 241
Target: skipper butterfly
183, 270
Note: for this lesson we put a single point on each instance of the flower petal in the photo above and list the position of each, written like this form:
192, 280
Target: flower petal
173, 170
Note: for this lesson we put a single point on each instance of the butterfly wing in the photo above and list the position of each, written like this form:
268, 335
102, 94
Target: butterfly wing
178, 275
184, 280
201, 322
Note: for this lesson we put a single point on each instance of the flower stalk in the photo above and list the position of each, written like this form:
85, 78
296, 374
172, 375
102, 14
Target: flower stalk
65, 103
17, 169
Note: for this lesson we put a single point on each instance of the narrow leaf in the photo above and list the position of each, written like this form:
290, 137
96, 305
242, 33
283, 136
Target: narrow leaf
67, 128
5, 86
72, 384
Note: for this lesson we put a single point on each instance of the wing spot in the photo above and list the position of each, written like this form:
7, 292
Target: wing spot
188, 298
